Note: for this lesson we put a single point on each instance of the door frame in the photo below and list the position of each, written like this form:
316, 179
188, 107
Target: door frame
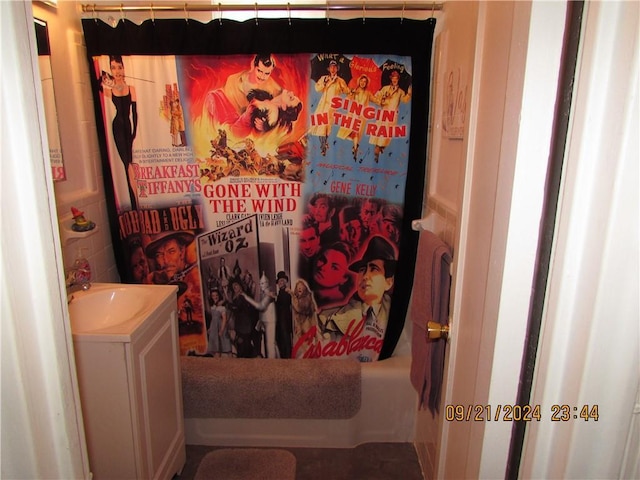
590, 322
589, 352
514, 87
41, 409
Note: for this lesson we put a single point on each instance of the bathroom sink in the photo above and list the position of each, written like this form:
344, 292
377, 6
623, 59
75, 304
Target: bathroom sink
112, 308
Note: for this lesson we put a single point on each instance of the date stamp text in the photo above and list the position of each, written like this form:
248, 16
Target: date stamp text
520, 413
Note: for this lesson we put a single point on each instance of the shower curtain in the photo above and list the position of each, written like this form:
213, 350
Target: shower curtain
270, 170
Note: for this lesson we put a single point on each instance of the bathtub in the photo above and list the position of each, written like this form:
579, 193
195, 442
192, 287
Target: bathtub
387, 414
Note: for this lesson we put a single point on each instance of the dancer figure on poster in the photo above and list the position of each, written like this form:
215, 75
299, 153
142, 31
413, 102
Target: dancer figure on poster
330, 86
362, 96
267, 310
389, 98
125, 122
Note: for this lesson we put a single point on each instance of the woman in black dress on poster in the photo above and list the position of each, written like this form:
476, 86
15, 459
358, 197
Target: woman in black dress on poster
125, 122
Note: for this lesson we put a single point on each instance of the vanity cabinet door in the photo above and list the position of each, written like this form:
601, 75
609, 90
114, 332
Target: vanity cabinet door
155, 369
106, 409
131, 395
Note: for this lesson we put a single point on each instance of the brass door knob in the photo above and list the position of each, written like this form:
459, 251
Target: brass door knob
435, 331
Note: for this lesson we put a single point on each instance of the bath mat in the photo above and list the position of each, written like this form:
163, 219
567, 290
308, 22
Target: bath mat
247, 464
270, 388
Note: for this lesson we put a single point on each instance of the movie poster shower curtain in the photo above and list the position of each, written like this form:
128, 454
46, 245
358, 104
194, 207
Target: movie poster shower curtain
270, 171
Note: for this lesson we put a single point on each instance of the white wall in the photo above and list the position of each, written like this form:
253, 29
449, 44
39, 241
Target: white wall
453, 59
42, 433
83, 188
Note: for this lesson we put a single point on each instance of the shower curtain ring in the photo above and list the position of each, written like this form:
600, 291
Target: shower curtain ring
220, 13
404, 4
256, 13
153, 18
186, 14
122, 12
327, 13
364, 12
289, 12
95, 16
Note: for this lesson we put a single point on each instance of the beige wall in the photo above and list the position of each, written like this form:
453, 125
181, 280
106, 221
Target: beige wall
83, 188
453, 61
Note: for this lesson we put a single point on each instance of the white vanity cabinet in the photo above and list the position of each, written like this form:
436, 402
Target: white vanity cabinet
131, 396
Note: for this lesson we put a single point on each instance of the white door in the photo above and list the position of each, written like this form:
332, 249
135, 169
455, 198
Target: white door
591, 320
511, 96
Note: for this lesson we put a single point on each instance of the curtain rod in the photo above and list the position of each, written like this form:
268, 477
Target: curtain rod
328, 6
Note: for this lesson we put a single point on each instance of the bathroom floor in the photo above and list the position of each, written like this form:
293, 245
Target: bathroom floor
370, 461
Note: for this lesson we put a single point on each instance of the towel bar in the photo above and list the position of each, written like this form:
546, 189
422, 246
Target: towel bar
432, 222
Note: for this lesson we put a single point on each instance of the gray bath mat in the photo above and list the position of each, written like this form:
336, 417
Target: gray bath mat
270, 388
247, 464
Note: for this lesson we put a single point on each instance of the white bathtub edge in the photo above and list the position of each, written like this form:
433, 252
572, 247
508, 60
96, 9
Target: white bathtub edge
387, 414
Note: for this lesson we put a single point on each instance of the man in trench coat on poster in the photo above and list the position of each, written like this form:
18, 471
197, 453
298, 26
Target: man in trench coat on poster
364, 318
